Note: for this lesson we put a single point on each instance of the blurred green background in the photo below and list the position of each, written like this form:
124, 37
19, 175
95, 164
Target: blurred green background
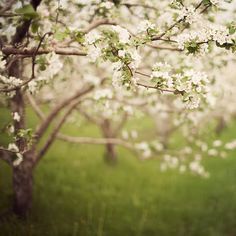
77, 193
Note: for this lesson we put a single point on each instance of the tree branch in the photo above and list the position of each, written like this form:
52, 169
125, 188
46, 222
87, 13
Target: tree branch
45, 124
99, 141
97, 23
120, 125
8, 50
54, 133
5, 155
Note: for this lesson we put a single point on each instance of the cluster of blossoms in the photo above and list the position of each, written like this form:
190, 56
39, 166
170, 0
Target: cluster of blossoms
7, 81
10, 81
190, 84
13, 148
133, 134
173, 162
48, 67
189, 14
116, 46
144, 149
145, 26
198, 41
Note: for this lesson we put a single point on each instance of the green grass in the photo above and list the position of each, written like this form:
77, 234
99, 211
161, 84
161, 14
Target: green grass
76, 193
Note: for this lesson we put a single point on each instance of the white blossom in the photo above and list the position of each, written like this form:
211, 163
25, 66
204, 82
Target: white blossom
92, 37
94, 53
123, 33
145, 25
16, 116
189, 14
13, 147
18, 160
231, 145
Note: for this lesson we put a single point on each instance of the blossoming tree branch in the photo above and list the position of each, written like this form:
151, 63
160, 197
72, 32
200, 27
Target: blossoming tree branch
105, 62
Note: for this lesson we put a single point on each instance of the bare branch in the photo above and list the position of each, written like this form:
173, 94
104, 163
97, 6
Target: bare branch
9, 14
35, 107
98, 23
5, 155
160, 89
129, 5
45, 124
99, 141
121, 124
54, 133
8, 50
162, 47
2, 149
89, 118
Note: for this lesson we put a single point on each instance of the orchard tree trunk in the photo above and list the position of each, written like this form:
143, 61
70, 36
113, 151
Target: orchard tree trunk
23, 173
110, 155
23, 187
221, 125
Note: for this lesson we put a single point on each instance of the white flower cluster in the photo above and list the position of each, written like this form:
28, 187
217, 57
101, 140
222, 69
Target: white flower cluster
124, 35
201, 38
174, 162
107, 5
171, 162
145, 150
115, 46
14, 148
231, 145
53, 66
10, 81
16, 116
133, 53
211, 150
133, 134
145, 25
94, 53
196, 167
189, 14
191, 84
92, 37
117, 81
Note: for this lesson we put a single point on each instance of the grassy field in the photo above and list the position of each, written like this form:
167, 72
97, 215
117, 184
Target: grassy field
76, 193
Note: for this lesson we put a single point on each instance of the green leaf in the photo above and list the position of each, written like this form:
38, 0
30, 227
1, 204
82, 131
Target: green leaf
60, 35
41, 61
35, 26
232, 28
192, 47
27, 11
206, 2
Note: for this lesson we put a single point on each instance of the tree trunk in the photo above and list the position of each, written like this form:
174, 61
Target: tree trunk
221, 125
110, 155
22, 188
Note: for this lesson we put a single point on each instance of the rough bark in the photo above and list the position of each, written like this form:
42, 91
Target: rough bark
23, 187
22, 174
110, 155
221, 125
